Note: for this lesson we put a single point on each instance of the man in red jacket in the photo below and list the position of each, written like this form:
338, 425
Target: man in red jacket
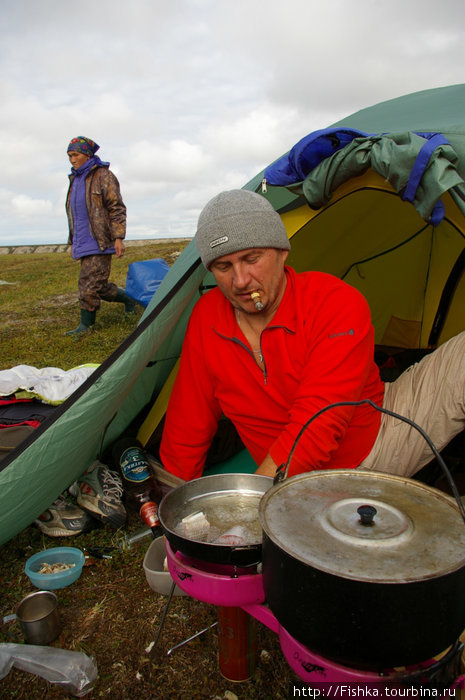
269, 348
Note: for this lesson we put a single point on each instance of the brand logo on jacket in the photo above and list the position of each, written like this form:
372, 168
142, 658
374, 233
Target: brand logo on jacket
338, 335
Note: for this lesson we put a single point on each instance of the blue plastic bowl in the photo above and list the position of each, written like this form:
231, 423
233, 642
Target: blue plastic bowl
60, 579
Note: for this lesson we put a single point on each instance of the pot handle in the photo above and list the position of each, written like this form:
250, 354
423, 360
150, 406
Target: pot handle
239, 556
280, 474
6, 619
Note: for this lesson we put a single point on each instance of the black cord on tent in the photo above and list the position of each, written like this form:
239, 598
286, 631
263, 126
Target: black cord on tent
281, 472
446, 299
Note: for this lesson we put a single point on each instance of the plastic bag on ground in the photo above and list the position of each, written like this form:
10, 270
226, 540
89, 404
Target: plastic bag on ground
73, 671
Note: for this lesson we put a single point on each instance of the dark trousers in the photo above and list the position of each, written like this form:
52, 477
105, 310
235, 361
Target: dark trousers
93, 282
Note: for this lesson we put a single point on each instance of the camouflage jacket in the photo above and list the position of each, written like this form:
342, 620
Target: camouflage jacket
105, 207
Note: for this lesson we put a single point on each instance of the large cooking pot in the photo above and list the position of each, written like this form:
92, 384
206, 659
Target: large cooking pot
227, 501
364, 568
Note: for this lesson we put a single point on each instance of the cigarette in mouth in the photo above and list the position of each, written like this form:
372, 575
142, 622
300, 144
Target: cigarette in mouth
255, 296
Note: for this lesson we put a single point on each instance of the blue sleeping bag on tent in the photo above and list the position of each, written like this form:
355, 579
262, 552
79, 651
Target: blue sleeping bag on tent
144, 278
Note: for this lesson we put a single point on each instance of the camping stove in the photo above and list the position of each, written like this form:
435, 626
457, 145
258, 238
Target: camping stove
241, 588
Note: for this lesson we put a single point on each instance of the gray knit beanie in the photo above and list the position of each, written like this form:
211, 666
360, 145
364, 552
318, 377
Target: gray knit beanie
237, 220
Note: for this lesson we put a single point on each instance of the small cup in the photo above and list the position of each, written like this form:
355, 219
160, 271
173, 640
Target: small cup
38, 616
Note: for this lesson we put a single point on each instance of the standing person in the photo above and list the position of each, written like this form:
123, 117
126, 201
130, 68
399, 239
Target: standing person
97, 226
269, 348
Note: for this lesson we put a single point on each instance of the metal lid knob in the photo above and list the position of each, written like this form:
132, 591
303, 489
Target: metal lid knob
367, 514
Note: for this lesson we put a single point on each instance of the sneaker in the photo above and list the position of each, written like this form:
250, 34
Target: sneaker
64, 519
100, 493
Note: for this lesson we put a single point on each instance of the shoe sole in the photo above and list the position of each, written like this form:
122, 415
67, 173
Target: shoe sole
58, 532
115, 519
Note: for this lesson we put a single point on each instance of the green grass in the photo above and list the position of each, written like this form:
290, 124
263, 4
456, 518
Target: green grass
40, 304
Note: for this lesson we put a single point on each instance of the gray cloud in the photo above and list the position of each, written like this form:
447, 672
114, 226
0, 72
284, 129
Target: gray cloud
194, 96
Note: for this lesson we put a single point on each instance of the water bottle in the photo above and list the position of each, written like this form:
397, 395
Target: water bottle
130, 459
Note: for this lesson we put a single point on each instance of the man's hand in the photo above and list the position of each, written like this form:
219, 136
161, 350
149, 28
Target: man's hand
119, 247
267, 467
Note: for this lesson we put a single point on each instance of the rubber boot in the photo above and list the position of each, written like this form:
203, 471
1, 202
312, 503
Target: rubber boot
86, 325
129, 304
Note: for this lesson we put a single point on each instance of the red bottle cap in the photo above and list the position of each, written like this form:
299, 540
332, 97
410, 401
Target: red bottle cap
149, 514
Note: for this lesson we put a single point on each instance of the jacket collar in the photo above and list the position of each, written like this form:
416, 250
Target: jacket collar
88, 166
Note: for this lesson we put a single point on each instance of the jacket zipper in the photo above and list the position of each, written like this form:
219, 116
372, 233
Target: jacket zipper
248, 350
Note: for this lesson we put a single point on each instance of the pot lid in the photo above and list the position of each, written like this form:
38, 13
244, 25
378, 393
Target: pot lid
366, 526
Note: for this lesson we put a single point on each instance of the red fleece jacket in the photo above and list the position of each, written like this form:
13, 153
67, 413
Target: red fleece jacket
318, 349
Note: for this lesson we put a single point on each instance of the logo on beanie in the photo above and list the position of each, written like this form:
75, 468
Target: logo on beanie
219, 241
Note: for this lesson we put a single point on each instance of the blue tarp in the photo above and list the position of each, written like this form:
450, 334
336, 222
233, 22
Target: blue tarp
144, 278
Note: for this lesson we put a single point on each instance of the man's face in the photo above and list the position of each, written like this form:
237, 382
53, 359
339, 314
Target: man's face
253, 270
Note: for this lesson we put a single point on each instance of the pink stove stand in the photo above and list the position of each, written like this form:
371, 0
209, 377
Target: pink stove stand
216, 584
231, 587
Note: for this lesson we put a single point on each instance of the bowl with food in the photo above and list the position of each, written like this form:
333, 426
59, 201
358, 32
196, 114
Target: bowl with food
53, 568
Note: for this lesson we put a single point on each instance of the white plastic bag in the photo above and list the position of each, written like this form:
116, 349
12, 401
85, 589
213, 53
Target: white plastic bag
72, 670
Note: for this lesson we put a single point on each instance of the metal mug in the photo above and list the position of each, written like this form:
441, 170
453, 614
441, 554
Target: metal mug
38, 616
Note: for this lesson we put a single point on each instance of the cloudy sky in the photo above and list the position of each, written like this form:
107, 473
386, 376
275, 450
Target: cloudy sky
190, 97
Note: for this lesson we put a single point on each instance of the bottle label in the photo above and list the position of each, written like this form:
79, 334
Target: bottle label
134, 466
149, 514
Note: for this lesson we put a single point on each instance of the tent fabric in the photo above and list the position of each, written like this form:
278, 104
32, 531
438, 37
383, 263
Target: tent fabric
430, 159
345, 215
435, 110
307, 154
362, 231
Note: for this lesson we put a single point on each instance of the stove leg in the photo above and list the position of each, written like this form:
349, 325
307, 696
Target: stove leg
189, 639
163, 618
237, 643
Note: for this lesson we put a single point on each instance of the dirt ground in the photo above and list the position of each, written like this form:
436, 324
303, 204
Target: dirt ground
112, 615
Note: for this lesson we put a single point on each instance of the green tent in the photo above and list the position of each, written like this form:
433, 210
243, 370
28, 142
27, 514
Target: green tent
354, 212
